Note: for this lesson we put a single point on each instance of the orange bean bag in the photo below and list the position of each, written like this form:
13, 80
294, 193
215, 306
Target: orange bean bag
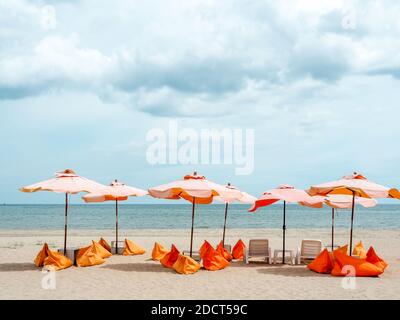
213, 260
186, 265
360, 251
52, 259
362, 268
204, 247
373, 258
322, 263
158, 252
132, 248
237, 251
170, 258
225, 253
91, 255
105, 244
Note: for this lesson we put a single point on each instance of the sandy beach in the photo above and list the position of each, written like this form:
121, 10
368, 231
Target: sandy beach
137, 277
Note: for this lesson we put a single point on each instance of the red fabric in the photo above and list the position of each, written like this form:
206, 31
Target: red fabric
373, 258
170, 258
213, 260
322, 263
204, 247
225, 253
237, 251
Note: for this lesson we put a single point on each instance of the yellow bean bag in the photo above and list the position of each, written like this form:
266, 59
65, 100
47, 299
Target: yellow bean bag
105, 244
91, 255
360, 251
186, 265
132, 248
52, 259
158, 252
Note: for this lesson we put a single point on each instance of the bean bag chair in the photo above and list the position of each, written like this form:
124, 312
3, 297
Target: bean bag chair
204, 247
225, 253
170, 258
362, 268
373, 258
52, 259
105, 244
237, 251
213, 260
158, 252
90, 255
360, 251
322, 264
100, 250
186, 265
132, 248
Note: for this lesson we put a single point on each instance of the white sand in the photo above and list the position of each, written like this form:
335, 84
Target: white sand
137, 277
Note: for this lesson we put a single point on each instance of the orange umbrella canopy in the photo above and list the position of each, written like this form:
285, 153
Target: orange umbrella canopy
355, 184
394, 193
66, 181
193, 187
115, 191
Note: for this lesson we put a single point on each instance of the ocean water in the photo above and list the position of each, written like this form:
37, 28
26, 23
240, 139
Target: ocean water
178, 216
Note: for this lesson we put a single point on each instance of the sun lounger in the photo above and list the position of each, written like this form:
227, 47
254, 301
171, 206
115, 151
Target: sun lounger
121, 247
228, 247
258, 248
308, 251
195, 255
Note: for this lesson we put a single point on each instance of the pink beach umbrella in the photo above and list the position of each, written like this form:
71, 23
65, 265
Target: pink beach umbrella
195, 189
243, 198
340, 201
67, 182
355, 185
116, 191
287, 194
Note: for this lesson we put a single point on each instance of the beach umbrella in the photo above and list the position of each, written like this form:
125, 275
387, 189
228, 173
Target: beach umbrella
355, 185
243, 198
67, 182
394, 193
287, 194
116, 191
195, 189
339, 201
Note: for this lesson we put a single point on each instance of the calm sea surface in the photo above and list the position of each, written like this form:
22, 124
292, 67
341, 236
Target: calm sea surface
178, 216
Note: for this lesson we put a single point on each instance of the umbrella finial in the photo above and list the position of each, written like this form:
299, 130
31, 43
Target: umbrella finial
195, 173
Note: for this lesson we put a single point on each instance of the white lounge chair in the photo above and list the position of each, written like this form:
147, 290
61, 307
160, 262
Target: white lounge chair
309, 250
258, 248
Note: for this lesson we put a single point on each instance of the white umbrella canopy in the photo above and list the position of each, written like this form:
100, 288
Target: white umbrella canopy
115, 191
195, 189
68, 182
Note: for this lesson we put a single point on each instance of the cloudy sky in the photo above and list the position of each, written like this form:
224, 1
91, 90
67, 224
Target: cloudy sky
83, 82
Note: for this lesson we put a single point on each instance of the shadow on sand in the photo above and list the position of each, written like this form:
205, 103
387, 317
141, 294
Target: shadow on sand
7, 267
138, 267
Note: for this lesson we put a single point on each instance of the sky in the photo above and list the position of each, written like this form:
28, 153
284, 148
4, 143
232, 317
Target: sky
82, 83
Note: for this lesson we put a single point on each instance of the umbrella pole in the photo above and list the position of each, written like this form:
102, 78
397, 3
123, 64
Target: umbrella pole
226, 214
352, 220
65, 224
284, 231
116, 226
191, 234
333, 226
